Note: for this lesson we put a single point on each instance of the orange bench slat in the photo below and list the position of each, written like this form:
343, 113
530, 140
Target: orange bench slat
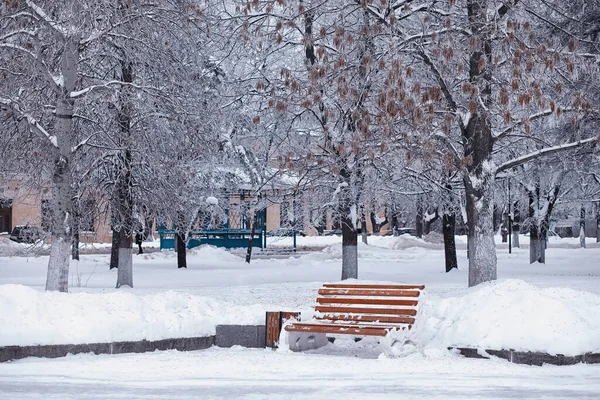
351, 301
365, 310
340, 329
371, 286
370, 292
358, 318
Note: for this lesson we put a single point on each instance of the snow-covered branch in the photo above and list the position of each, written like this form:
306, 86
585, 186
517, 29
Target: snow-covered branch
532, 117
37, 10
545, 152
81, 93
32, 122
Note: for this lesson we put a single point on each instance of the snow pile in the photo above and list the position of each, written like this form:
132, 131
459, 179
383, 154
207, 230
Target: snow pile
206, 252
10, 248
406, 241
513, 314
30, 317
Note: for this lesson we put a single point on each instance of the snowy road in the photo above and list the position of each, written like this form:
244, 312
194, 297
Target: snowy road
257, 374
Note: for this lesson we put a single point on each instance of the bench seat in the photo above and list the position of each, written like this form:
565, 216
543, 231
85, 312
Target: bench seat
358, 310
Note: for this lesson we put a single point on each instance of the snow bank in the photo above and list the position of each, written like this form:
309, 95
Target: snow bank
205, 252
28, 316
513, 314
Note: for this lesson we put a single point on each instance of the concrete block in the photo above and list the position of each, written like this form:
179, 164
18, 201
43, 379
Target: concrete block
163, 344
240, 335
569, 360
592, 358
8, 353
468, 352
130, 347
262, 335
504, 354
49, 351
96, 348
300, 341
194, 343
534, 358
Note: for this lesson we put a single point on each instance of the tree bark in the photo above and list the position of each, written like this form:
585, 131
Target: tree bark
75, 245
349, 232
57, 278
252, 233
536, 242
125, 182
448, 228
516, 225
76, 213
419, 217
114, 249
582, 228
597, 205
125, 272
478, 139
349, 244
363, 226
181, 249
480, 237
392, 217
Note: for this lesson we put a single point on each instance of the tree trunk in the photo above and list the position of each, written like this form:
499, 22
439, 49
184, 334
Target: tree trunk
125, 273
394, 221
542, 242
480, 237
419, 217
180, 247
252, 233
114, 249
597, 204
536, 242
478, 149
349, 232
582, 228
516, 225
363, 226
448, 227
349, 245
58, 264
75, 245
125, 182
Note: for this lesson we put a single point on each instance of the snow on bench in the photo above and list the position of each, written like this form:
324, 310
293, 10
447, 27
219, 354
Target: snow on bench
358, 310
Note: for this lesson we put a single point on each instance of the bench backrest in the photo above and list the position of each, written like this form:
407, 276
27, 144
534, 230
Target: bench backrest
370, 303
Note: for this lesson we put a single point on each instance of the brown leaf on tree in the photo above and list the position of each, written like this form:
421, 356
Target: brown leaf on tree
472, 106
503, 96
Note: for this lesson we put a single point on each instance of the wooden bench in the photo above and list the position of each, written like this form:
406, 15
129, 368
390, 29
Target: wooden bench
358, 310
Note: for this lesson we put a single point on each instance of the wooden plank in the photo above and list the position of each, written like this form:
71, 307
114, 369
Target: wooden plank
273, 328
358, 318
365, 310
370, 292
382, 302
338, 329
287, 315
371, 286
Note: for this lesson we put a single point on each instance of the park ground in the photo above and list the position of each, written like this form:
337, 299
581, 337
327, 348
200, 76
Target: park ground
553, 308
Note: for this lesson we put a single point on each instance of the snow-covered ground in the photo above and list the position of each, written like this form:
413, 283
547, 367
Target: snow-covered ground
239, 373
553, 307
